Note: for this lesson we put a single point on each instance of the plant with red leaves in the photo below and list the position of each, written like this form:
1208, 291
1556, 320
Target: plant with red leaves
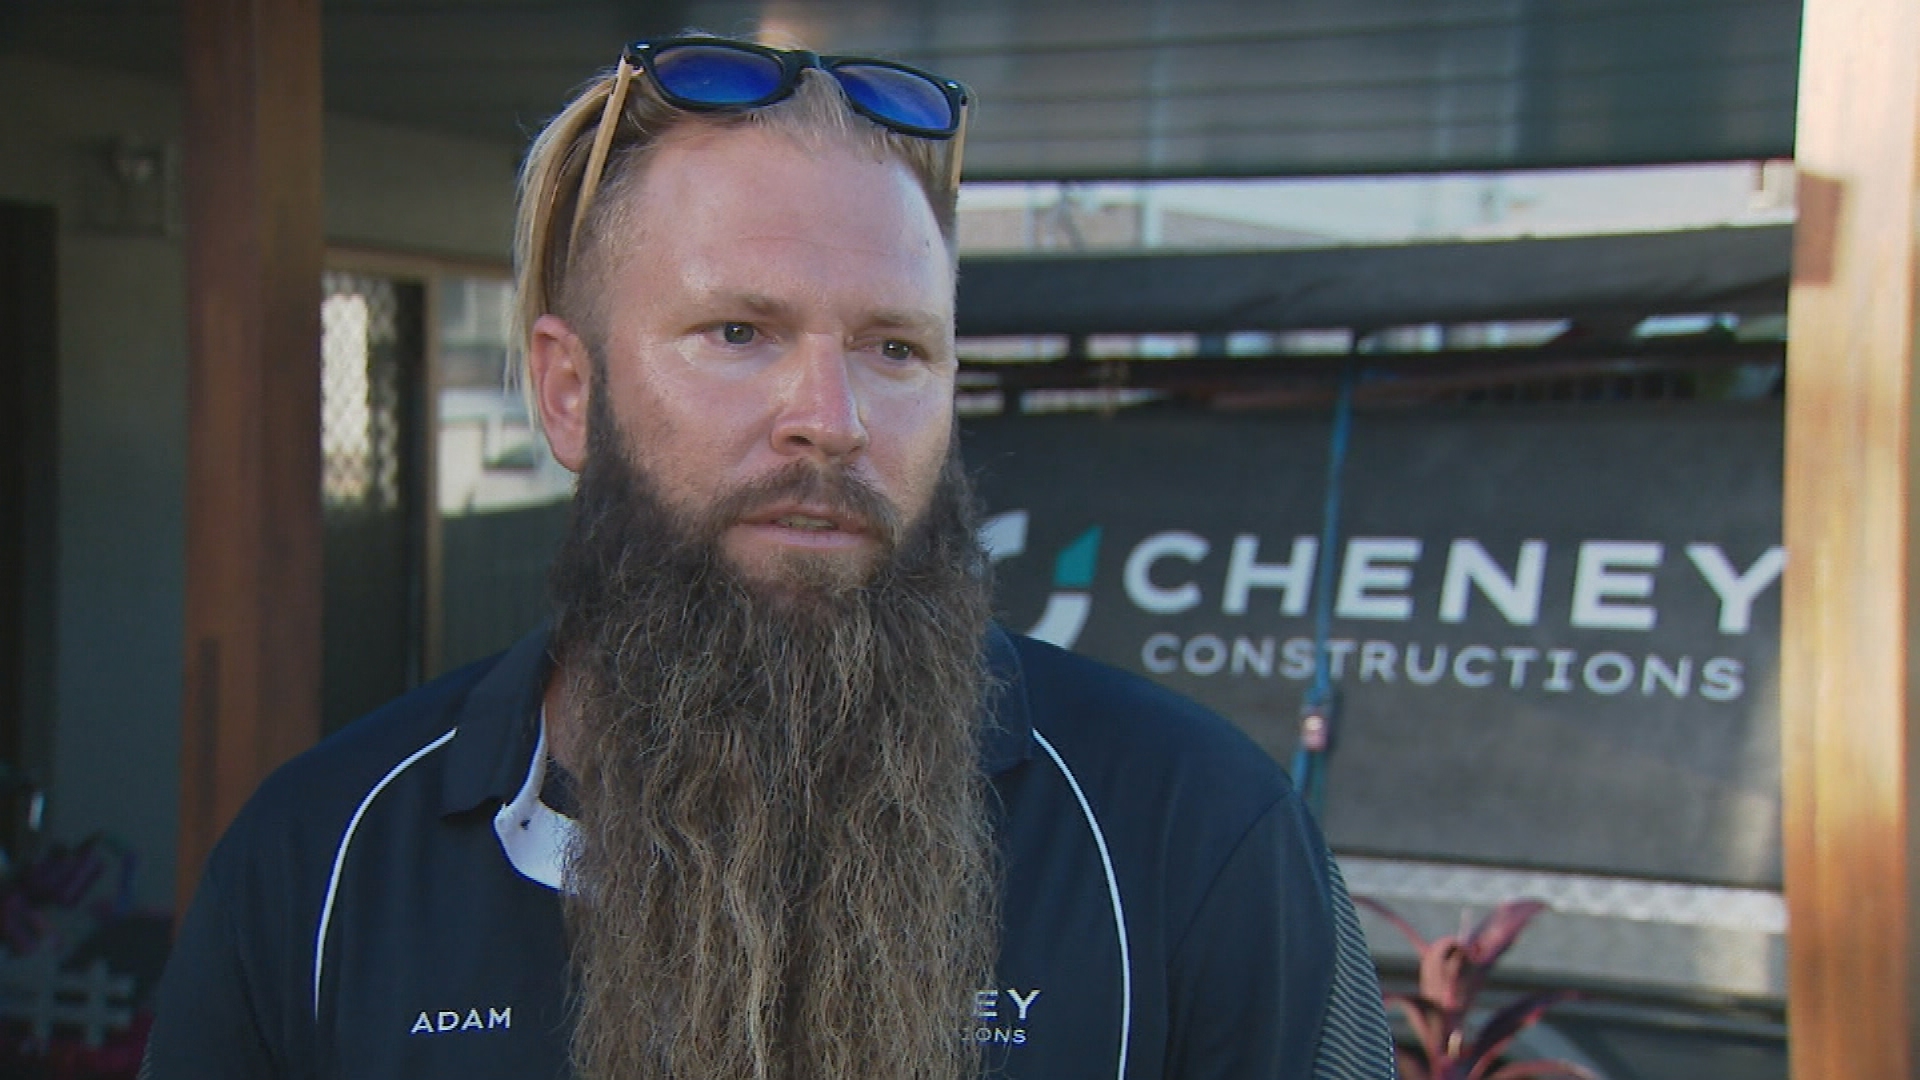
1453, 971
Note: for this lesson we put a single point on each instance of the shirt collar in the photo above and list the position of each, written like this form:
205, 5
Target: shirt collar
1008, 736
498, 726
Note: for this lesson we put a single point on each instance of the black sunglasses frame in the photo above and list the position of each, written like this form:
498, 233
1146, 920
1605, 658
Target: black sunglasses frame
793, 63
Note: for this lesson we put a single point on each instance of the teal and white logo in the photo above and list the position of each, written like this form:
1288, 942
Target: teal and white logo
1005, 536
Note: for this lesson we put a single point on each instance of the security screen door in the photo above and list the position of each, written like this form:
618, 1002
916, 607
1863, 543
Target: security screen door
372, 427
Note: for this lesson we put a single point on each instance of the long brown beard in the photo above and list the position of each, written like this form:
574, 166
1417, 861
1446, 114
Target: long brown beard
785, 866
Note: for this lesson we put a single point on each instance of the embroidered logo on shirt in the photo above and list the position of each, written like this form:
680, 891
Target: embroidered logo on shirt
999, 1021
446, 1021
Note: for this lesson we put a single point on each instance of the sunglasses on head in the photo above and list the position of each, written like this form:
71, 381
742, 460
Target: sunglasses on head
707, 74
716, 74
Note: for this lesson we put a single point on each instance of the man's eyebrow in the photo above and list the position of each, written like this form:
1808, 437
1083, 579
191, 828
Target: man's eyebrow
925, 322
921, 322
758, 303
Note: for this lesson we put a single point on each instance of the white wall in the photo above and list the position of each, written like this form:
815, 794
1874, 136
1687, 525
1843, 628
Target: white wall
112, 756
410, 191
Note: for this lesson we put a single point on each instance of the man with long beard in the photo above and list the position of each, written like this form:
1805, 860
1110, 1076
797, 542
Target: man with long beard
771, 798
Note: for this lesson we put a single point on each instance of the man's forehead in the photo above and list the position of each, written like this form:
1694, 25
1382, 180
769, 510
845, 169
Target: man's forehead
758, 184
765, 223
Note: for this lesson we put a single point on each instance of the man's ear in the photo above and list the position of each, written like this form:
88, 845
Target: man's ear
562, 372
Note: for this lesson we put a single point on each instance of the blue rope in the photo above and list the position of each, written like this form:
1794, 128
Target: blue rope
1322, 689
1306, 778
1309, 763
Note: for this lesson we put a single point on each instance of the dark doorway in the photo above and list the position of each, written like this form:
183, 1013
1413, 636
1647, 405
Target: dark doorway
29, 446
372, 490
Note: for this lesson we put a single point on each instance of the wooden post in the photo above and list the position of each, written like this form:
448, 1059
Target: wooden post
1849, 604
254, 249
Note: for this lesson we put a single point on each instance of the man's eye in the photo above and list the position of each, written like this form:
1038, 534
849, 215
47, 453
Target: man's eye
898, 351
738, 333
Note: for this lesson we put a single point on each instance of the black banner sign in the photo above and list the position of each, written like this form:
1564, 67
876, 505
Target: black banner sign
1554, 635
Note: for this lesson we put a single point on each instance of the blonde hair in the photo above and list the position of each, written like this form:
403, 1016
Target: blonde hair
555, 274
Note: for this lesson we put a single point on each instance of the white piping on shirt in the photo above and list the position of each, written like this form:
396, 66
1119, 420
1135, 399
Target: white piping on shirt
340, 858
1113, 890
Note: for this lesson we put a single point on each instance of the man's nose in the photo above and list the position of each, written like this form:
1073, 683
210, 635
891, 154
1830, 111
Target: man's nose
819, 407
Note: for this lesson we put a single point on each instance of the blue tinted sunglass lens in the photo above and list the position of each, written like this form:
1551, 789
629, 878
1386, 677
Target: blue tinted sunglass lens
899, 96
716, 75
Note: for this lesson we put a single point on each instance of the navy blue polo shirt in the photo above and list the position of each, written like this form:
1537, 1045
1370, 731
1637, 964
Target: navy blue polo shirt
386, 905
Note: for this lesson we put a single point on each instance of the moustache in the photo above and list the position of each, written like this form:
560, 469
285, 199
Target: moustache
852, 501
